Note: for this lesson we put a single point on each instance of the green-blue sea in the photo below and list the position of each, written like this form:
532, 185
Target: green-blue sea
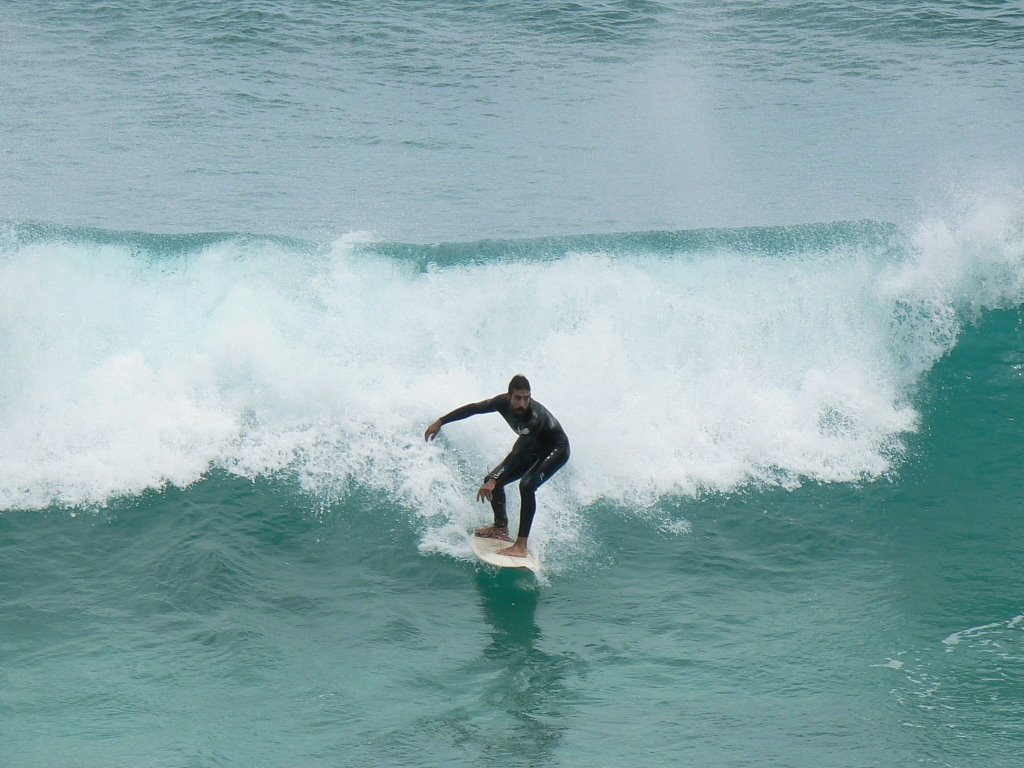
763, 260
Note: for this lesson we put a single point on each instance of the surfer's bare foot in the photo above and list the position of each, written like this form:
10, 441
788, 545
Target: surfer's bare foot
516, 550
493, 532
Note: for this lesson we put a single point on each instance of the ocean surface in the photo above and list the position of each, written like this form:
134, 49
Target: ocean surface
764, 261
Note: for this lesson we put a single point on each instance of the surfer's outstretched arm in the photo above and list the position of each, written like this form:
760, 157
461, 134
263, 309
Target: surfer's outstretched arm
463, 412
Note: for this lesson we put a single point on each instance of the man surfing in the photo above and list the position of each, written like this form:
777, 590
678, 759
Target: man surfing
541, 450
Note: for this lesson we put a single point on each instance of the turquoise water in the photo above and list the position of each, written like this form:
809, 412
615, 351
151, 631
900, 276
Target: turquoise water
764, 262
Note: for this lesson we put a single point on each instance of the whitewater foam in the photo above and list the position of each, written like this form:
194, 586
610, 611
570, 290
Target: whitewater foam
684, 374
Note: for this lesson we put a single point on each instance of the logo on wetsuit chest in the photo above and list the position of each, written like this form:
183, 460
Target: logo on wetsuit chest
522, 430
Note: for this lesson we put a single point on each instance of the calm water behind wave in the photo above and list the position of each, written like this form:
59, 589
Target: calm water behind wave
449, 121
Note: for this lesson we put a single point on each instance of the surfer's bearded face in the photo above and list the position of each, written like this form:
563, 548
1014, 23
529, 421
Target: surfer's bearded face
520, 400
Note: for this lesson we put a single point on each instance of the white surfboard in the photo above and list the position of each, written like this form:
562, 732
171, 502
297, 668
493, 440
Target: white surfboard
486, 550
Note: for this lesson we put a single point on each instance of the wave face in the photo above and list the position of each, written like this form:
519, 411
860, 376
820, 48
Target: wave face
680, 363
794, 489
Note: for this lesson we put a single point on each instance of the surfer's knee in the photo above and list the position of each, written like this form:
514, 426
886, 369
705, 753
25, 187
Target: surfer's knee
528, 484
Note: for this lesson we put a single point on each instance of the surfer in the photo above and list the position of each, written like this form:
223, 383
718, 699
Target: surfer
541, 450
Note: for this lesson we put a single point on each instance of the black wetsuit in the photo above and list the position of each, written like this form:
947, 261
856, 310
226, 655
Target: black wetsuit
541, 450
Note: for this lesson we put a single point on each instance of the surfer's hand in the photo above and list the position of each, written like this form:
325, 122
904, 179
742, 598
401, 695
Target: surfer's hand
484, 494
432, 431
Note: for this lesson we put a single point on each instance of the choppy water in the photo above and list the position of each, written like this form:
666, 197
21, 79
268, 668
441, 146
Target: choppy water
764, 262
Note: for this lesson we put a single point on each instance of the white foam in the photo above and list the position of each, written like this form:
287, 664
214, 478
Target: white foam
980, 631
890, 664
671, 375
